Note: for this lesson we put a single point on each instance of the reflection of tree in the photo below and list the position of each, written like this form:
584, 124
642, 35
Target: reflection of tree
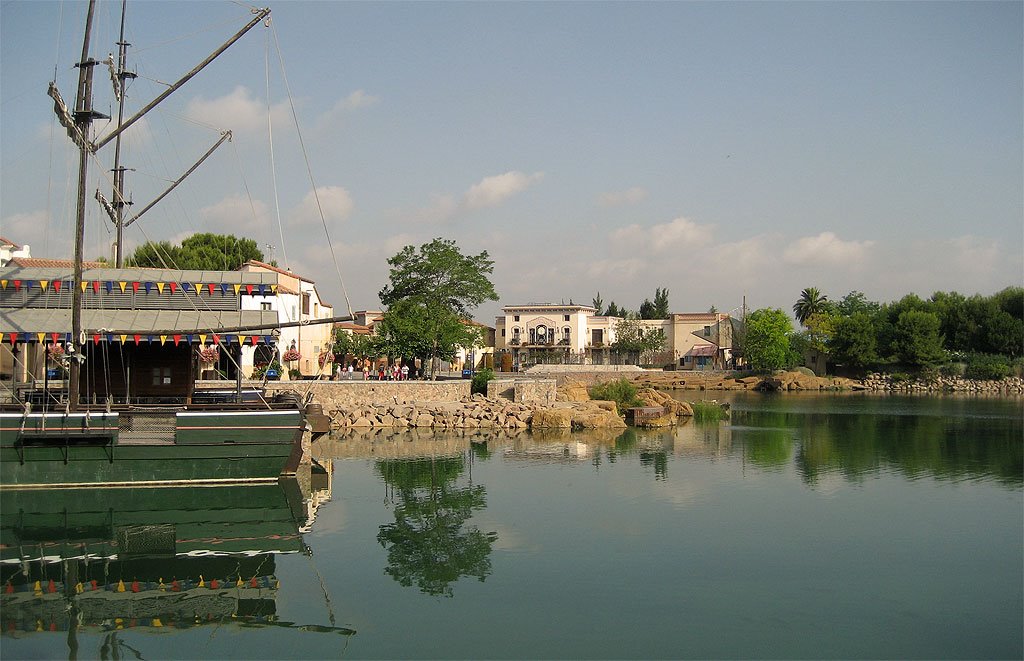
429, 544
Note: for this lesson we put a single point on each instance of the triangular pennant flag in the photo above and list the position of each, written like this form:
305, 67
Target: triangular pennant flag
138, 338
110, 338
177, 338
40, 337
174, 287
135, 286
255, 339
124, 339
122, 284
273, 289
202, 339
237, 287
95, 286
248, 290
216, 339
54, 336
224, 289
163, 338
57, 284
96, 339
185, 286
241, 339
188, 338
263, 290
110, 286
43, 284
17, 285
14, 338
209, 288
149, 287
199, 288
83, 285
3, 284
160, 287
24, 338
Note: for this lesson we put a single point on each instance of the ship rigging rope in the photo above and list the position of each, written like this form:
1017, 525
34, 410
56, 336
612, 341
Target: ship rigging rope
270, 142
309, 170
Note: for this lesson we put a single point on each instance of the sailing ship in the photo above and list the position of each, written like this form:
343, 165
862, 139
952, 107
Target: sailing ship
114, 353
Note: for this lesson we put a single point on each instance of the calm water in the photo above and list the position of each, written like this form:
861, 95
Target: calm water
805, 527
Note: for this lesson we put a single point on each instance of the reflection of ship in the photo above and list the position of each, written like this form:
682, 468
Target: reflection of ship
97, 560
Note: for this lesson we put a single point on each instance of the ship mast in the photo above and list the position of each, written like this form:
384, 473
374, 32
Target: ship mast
83, 116
120, 77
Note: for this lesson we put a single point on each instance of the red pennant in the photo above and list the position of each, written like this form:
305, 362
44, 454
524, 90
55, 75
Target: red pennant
54, 336
177, 338
135, 586
95, 286
214, 584
135, 287
56, 285
96, 339
175, 586
216, 339
50, 587
253, 583
14, 338
248, 289
138, 339
94, 584
17, 285
210, 288
174, 287
254, 339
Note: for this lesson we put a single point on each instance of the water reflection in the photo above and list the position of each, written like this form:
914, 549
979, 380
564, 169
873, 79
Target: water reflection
150, 560
429, 544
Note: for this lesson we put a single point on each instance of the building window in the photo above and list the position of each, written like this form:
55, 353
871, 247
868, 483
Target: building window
707, 331
161, 376
565, 332
305, 304
566, 317
265, 305
503, 332
515, 318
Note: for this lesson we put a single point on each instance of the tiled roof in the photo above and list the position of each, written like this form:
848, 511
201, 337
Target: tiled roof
40, 262
702, 350
4, 241
275, 269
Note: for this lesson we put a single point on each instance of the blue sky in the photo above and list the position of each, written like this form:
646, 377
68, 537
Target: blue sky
720, 150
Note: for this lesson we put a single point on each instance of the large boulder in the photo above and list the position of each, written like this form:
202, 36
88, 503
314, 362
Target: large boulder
573, 391
552, 419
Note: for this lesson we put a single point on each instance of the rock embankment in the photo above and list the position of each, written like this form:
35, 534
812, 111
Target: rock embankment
729, 381
1011, 385
479, 412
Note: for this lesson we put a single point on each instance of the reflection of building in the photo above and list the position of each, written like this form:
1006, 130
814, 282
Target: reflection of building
80, 560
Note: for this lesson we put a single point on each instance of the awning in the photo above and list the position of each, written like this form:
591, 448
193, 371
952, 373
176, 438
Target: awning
702, 350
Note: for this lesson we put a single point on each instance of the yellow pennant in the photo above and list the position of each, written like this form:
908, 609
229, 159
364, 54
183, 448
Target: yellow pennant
43, 284
156, 622
124, 339
202, 339
40, 336
237, 287
160, 287
199, 288
163, 338
84, 285
273, 289
3, 284
241, 340
122, 284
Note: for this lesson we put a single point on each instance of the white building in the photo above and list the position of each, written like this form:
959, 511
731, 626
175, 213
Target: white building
297, 300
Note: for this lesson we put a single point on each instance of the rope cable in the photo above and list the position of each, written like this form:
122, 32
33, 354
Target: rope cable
273, 167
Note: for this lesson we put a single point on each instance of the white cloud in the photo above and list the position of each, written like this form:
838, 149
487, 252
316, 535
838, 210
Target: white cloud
335, 202
357, 99
620, 198
827, 248
237, 111
20, 227
235, 215
492, 191
678, 234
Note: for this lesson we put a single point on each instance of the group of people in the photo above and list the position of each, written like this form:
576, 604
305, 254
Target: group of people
394, 372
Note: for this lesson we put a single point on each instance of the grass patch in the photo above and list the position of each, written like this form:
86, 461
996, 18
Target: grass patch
622, 392
708, 411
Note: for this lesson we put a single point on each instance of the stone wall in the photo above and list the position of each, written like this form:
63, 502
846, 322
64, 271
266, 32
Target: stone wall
522, 390
352, 394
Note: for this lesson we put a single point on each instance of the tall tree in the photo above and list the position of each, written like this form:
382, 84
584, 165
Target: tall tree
636, 339
766, 346
853, 341
433, 291
661, 310
204, 251
917, 340
598, 304
811, 301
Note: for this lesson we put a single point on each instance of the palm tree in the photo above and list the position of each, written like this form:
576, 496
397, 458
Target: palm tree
811, 302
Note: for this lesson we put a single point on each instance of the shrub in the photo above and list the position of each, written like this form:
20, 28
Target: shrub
622, 392
987, 366
480, 379
708, 411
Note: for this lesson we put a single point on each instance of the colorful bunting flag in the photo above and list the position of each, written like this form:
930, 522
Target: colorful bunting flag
173, 286
122, 284
160, 287
110, 286
43, 284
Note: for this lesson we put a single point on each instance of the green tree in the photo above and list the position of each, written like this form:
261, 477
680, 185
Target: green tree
598, 304
204, 251
855, 302
917, 340
766, 346
661, 309
635, 339
811, 302
613, 311
853, 340
432, 292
